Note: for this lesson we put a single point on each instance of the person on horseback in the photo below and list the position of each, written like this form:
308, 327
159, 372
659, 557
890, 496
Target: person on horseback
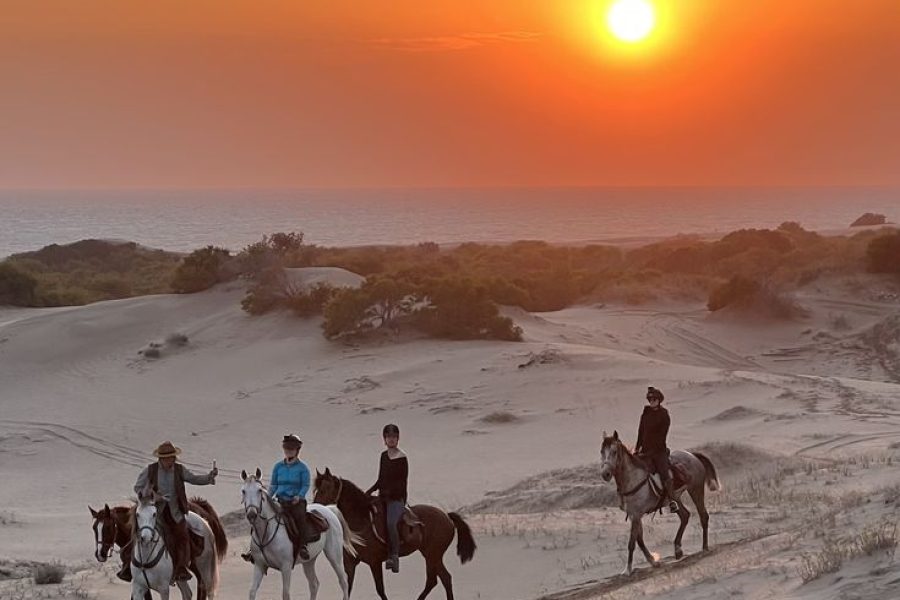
289, 485
393, 474
651, 441
167, 478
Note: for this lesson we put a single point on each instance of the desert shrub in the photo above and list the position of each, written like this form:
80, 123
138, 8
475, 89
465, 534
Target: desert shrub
312, 301
46, 573
737, 289
200, 270
110, 285
883, 254
346, 314
459, 309
17, 288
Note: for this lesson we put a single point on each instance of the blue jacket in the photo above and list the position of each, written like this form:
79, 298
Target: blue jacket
289, 480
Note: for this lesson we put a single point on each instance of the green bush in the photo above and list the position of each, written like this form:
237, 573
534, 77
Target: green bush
17, 288
458, 309
346, 314
201, 270
46, 573
883, 254
312, 301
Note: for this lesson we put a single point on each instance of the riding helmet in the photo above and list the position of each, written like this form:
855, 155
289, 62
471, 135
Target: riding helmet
654, 394
291, 441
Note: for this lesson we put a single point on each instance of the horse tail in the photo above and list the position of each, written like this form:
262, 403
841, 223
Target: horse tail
465, 543
350, 536
712, 478
212, 517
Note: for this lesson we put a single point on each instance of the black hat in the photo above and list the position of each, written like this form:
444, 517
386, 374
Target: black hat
390, 429
291, 441
654, 394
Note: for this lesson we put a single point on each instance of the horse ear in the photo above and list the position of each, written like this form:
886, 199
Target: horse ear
616, 434
258, 473
94, 513
106, 509
243, 475
604, 434
328, 471
317, 473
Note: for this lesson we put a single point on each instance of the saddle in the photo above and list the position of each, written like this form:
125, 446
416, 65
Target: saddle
411, 528
315, 523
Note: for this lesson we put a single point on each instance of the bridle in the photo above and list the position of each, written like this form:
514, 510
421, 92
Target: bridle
98, 552
617, 470
137, 557
262, 545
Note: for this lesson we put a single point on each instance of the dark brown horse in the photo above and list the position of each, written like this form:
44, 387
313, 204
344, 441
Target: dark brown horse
112, 527
438, 530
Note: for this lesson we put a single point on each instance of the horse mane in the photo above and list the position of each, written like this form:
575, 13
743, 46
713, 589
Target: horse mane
354, 496
629, 453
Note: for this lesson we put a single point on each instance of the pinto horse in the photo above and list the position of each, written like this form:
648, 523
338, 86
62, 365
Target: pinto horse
633, 482
439, 529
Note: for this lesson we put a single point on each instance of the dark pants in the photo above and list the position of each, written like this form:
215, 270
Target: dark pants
660, 462
178, 542
394, 512
297, 513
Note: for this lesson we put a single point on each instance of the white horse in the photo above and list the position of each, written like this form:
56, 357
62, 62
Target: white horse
151, 564
270, 545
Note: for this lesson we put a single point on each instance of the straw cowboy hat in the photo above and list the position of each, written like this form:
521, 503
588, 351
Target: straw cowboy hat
166, 450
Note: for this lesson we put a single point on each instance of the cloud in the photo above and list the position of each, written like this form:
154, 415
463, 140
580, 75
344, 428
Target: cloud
463, 41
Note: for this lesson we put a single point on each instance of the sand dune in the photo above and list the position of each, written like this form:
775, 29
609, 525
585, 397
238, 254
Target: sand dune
510, 431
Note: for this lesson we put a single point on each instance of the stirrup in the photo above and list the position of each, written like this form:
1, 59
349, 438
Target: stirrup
673, 506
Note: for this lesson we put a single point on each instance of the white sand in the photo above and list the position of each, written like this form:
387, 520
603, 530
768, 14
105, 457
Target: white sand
80, 412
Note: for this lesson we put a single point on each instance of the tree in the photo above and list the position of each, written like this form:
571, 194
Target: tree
459, 309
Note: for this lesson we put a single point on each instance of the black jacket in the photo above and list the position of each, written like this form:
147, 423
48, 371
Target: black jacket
653, 431
392, 478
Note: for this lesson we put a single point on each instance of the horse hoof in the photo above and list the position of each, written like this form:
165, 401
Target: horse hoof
679, 554
655, 564
627, 572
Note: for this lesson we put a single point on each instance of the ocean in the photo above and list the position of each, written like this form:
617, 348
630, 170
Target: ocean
183, 220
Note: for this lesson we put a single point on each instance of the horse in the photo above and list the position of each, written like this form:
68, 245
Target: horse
270, 545
639, 496
151, 564
112, 527
439, 529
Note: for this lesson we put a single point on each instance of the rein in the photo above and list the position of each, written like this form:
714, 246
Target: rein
278, 523
621, 454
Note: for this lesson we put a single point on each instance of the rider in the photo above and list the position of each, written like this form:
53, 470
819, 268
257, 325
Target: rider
167, 478
393, 473
289, 485
651, 441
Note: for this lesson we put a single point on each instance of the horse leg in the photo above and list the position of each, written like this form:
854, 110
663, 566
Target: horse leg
698, 496
350, 564
258, 573
309, 569
684, 514
378, 577
185, 589
431, 579
652, 558
286, 571
446, 579
334, 553
201, 589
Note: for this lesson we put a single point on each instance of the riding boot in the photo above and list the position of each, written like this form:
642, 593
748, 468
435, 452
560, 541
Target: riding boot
298, 512
670, 494
181, 550
125, 572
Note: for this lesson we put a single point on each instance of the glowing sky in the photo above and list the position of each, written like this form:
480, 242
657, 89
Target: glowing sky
225, 93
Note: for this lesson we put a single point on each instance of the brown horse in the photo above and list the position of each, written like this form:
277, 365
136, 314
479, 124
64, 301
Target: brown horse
112, 527
439, 528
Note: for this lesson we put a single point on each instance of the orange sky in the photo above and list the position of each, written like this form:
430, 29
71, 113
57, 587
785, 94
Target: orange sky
221, 93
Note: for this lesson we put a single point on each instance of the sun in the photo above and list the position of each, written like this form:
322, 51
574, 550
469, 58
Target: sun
631, 20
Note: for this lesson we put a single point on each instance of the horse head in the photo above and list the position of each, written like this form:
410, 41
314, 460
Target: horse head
326, 487
104, 532
253, 494
610, 452
146, 513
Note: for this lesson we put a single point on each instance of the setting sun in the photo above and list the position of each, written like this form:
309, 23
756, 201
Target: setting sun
631, 20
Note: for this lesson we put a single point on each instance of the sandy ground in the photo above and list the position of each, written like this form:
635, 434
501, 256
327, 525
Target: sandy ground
812, 406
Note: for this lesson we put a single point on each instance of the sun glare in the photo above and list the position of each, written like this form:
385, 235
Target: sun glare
631, 20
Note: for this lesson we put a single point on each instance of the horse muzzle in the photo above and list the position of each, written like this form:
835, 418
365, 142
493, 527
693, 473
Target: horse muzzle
252, 515
606, 475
